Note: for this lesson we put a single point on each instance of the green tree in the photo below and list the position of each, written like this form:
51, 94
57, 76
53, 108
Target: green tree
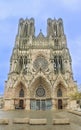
75, 96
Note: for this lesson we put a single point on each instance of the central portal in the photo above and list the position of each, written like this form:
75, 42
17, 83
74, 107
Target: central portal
40, 95
40, 104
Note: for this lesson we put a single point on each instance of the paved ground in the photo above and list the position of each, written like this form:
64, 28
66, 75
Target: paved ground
49, 115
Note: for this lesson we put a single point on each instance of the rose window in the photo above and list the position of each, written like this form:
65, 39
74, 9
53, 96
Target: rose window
40, 63
40, 92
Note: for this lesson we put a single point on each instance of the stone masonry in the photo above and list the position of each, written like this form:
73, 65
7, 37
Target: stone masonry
40, 76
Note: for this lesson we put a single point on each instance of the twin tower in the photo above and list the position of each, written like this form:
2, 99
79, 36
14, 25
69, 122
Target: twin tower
40, 76
27, 28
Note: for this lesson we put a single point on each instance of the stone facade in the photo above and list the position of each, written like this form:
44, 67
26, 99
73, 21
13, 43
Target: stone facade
1, 101
40, 75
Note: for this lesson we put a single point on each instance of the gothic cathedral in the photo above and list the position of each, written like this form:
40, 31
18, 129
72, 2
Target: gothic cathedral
40, 76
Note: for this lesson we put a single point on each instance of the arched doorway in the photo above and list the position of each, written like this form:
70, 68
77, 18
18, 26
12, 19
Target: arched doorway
19, 96
40, 95
60, 104
59, 95
21, 101
40, 104
21, 104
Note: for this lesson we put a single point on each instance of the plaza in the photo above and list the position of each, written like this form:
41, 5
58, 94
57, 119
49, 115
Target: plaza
49, 116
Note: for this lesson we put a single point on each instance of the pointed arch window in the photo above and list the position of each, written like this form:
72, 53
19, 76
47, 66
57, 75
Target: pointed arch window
25, 30
60, 63
59, 92
21, 62
61, 31
56, 64
21, 93
40, 62
25, 60
55, 29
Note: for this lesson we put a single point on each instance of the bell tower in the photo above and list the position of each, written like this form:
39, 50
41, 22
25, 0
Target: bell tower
60, 56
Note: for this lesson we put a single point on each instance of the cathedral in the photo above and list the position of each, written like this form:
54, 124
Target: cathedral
40, 75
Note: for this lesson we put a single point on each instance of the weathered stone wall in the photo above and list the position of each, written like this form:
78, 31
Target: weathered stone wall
39, 60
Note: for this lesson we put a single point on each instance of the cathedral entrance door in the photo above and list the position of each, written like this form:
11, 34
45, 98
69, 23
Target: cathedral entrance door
40, 105
43, 105
21, 104
59, 103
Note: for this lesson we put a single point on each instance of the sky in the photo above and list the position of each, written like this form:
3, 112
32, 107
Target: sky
40, 10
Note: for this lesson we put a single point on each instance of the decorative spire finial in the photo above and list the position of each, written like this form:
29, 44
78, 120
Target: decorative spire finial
40, 30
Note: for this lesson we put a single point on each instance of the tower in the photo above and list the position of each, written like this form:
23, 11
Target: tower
40, 76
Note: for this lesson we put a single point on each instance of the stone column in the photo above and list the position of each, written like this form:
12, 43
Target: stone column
9, 104
53, 104
68, 104
12, 104
27, 104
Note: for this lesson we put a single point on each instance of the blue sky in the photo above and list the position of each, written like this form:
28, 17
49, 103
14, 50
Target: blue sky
40, 10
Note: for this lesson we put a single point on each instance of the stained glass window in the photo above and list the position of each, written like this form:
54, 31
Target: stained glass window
59, 93
40, 91
21, 93
40, 62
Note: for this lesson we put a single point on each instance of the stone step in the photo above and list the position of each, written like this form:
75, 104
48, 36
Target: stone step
63, 121
75, 112
35, 121
4, 121
21, 121
38, 121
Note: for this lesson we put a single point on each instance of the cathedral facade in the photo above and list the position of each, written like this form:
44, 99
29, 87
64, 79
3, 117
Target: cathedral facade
40, 76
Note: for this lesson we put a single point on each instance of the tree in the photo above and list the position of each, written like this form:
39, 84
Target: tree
75, 96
